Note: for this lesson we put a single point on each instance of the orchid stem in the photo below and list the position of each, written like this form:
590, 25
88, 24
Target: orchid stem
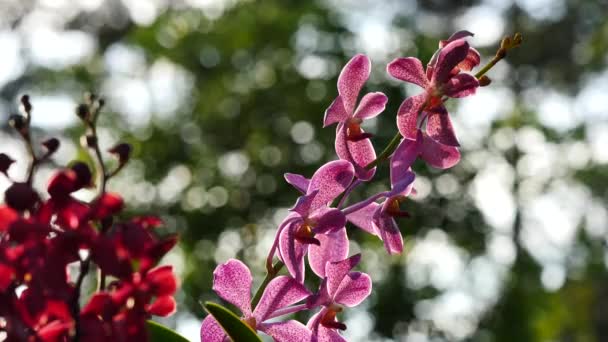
269, 276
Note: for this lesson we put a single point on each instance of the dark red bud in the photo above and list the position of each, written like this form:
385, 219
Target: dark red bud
51, 145
84, 178
122, 152
25, 102
83, 111
21, 196
18, 122
89, 141
5, 163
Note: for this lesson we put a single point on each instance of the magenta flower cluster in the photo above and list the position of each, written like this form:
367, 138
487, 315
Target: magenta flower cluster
316, 225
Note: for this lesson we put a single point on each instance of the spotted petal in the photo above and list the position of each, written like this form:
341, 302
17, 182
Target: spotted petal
335, 112
351, 80
304, 203
333, 247
407, 115
211, 331
292, 252
232, 281
438, 155
388, 230
321, 333
362, 218
455, 36
281, 292
297, 181
408, 69
355, 287
336, 272
371, 105
360, 153
439, 127
328, 219
403, 158
449, 57
330, 180
290, 331
471, 61
461, 85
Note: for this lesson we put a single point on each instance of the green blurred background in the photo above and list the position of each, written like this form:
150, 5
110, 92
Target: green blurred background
221, 97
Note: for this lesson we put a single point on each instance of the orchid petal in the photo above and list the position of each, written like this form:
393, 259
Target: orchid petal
232, 281
360, 153
321, 333
461, 85
333, 247
448, 58
297, 181
351, 80
472, 60
328, 335
211, 331
290, 331
163, 306
304, 203
321, 297
337, 271
330, 180
281, 292
388, 230
439, 128
409, 70
438, 155
407, 115
371, 105
355, 287
362, 218
335, 112
403, 158
457, 35
292, 252
328, 220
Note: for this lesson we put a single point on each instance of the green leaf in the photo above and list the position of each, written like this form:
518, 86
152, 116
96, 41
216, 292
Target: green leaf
234, 327
160, 333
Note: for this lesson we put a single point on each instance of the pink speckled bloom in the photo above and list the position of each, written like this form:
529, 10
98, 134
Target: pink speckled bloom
232, 282
379, 218
352, 143
443, 77
340, 287
312, 227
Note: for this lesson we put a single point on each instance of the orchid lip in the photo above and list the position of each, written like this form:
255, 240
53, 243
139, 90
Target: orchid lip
329, 318
305, 234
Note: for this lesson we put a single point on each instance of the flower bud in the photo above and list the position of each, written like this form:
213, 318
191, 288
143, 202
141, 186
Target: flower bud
121, 151
88, 140
5, 163
484, 81
25, 102
18, 122
83, 111
84, 177
51, 145
21, 196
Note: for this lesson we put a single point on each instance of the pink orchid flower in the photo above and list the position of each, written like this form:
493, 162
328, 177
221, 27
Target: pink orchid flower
312, 227
340, 287
443, 77
232, 282
379, 218
352, 143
